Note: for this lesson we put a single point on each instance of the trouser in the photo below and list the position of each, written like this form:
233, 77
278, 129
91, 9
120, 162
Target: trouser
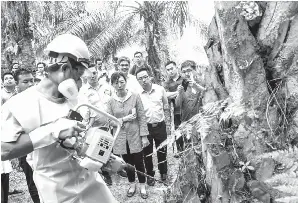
4, 187
158, 134
136, 160
179, 141
29, 178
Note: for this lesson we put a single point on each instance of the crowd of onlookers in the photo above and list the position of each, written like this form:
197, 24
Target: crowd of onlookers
127, 90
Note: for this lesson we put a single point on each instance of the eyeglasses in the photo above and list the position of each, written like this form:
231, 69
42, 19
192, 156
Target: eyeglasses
142, 78
187, 71
123, 65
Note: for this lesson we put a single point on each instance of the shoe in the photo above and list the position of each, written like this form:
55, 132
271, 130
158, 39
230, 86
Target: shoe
144, 195
130, 193
163, 177
107, 178
14, 192
150, 181
177, 156
122, 173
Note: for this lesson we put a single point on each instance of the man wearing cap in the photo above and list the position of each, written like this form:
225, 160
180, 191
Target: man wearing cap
40, 127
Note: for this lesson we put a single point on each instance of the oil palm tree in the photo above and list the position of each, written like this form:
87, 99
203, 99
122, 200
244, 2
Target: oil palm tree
120, 24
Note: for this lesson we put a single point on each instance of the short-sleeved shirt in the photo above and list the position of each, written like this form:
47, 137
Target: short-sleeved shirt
6, 95
5, 166
153, 103
189, 103
97, 96
171, 85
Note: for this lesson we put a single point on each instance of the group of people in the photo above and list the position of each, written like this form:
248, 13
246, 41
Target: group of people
126, 91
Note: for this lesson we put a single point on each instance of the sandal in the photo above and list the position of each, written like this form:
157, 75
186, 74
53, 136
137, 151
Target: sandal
14, 192
144, 195
130, 193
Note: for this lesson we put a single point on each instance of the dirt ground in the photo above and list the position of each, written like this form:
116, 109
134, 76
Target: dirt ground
119, 187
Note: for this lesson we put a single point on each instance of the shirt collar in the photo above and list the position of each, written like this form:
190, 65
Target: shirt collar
130, 76
152, 89
14, 91
176, 78
115, 96
90, 87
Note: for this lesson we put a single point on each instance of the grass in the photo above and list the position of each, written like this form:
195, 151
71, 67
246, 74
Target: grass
118, 189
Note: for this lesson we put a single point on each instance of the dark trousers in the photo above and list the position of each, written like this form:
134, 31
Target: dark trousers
4, 187
136, 160
179, 141
157, 134
29, 178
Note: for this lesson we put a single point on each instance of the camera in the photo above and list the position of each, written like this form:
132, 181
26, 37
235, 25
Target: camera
185, 84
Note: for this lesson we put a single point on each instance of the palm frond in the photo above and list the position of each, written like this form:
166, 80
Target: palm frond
274, 180
287, 157
233, 110
289, 199
118, 35
178, 12
201, 121
293, 190
283, 179
59, 17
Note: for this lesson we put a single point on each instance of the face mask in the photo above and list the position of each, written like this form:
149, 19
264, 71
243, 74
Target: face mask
69, 89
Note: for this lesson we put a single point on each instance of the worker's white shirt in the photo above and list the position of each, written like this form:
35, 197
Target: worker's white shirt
57, 176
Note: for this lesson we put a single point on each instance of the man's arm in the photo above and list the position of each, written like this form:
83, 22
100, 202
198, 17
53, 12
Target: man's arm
21, 147
14, 141
180, 97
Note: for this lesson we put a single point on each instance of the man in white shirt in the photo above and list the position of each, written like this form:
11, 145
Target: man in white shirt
157, 113
96, 94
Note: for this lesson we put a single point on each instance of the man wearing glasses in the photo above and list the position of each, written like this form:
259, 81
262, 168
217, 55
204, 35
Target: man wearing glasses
157, 114
189, 98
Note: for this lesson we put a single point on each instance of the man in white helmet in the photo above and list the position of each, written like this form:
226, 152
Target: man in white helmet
41, 124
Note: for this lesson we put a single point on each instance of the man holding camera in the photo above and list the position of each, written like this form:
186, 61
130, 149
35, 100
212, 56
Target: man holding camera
189, 97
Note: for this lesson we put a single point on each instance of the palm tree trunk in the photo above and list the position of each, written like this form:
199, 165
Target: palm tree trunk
18, 34
255, 62
152, 48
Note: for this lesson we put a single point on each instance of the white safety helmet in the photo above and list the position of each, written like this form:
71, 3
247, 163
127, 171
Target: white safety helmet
68, 45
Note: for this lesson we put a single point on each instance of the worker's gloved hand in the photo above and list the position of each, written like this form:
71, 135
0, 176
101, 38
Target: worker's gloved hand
90, 165
65, 128
60, 129
114, 165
